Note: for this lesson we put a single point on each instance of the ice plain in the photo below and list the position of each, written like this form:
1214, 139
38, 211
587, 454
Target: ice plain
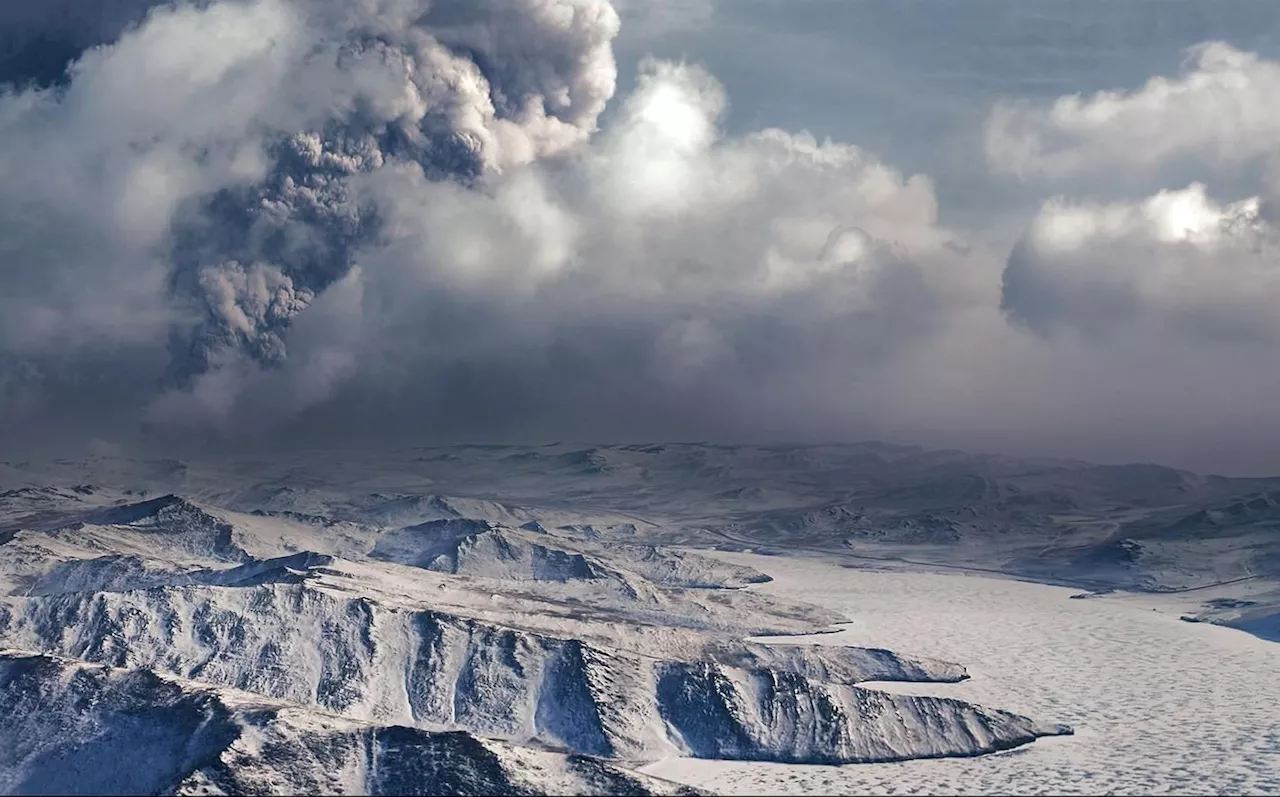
1159, 706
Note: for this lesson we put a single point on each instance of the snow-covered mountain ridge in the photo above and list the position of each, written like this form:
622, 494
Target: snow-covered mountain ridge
528, 627
79, 728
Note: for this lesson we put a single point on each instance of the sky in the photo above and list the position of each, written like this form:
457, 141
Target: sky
1021, 227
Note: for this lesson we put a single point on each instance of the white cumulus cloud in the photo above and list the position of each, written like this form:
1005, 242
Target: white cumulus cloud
1218, 112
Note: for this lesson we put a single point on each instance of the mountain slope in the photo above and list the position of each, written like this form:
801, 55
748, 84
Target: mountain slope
73, 728
472, 603
352, 656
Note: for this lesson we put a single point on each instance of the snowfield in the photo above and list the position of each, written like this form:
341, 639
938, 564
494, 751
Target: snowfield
571, 619
1159, 706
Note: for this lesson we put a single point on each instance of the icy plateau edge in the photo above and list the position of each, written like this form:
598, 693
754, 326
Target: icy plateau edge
622, 652
421, 668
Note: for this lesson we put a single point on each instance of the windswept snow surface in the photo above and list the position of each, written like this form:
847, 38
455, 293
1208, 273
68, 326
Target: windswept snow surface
1159, 706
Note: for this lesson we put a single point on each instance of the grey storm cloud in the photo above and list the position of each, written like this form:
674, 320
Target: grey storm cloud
1180, 261
1176, 260
246, 221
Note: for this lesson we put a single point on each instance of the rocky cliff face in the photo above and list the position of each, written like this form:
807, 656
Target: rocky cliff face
300, 643
374, 636
78, 728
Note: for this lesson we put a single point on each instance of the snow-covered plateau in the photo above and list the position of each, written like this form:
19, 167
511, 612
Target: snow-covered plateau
562, 619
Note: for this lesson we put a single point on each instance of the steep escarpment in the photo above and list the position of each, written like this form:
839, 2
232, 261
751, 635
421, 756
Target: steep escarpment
78, 728
376, 629
773, 715
353, 656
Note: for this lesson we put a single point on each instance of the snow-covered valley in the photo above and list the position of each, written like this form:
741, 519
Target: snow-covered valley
562, 618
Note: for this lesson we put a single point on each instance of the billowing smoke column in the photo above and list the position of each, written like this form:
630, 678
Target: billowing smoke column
215, 144
463, 89
408, 202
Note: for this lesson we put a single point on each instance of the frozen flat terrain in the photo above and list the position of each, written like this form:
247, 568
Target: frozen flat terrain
1158, 705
